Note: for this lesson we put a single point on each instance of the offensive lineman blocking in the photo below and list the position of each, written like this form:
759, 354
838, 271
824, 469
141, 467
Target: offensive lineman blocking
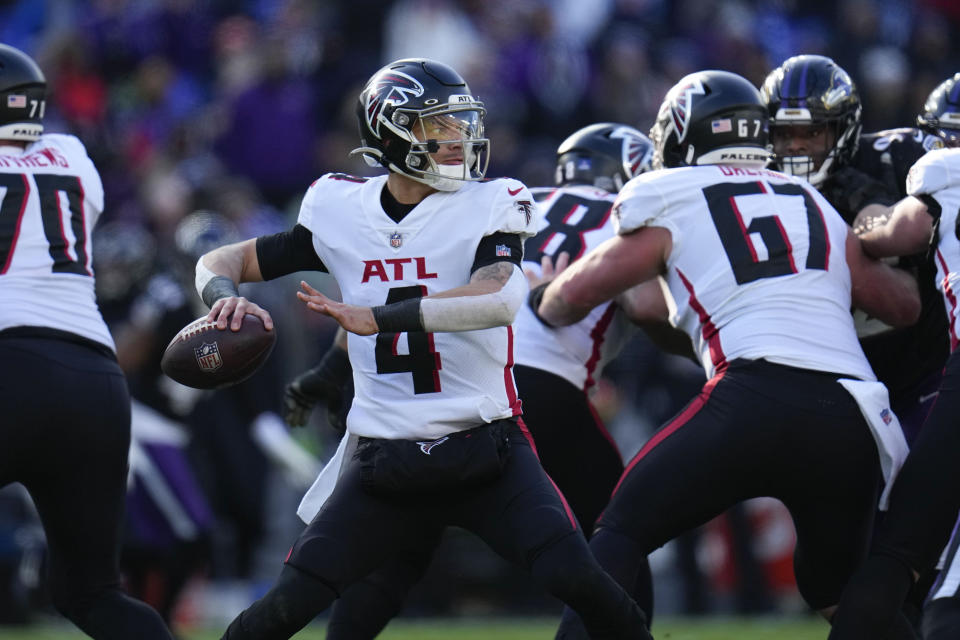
71, 453
761, 272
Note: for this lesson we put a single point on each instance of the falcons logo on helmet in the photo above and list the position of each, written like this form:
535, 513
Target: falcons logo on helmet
637, 151
681, 107
394, 88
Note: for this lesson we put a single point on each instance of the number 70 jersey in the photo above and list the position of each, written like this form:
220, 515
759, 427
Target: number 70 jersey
50, 199
758, 266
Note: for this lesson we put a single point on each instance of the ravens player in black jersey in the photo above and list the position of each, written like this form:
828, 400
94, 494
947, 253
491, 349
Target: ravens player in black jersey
815, 129
816, 133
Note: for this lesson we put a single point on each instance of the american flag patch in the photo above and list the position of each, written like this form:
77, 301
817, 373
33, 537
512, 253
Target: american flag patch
16, 101
503, 250
721, 126
886, 416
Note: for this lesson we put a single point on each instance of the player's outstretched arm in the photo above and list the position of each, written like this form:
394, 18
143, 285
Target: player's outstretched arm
907, 231
604, 273
491, 299
218, 273
888, 294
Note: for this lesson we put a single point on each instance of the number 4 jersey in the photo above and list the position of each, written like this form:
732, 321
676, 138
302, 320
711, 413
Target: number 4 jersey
758, 266
415, 384
51, 199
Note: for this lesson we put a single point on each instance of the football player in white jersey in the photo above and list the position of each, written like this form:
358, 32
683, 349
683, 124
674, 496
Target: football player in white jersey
761, 272
926, 496
555, 369
70, 454
427, 259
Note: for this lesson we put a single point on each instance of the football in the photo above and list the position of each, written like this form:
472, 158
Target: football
204, 357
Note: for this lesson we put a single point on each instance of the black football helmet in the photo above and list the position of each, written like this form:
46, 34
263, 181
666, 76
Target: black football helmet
814, 90
941, 113
605, 155
23, 90
710, 117
408, 109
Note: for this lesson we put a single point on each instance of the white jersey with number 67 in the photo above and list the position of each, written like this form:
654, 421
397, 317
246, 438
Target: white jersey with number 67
758, 266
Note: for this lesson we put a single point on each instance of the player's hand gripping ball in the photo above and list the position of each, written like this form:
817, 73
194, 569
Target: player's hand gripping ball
204, 357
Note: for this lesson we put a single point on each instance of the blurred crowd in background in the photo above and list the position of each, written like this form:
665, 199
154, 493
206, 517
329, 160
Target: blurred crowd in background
208, 119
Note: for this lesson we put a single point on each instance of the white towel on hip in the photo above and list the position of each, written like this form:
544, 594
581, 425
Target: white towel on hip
874, 402
326, 481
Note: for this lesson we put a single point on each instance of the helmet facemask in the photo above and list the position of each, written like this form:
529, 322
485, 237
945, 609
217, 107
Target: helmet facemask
447, 147
817, 166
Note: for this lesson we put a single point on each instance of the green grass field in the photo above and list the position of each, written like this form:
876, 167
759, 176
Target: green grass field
499, 629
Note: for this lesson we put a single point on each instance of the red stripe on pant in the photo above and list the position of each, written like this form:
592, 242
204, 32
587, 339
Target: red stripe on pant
671, 427
566, 507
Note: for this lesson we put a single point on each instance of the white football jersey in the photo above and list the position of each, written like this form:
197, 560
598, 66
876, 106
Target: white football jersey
574, 219
418, 385
50, 199
937, 174
758, 266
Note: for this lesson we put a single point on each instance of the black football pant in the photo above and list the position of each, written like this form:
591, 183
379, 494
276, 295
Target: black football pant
923, 509
576, 452
756, 429
66, 432
521, 516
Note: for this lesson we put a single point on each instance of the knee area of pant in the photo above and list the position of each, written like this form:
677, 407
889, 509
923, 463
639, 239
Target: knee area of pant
568, 568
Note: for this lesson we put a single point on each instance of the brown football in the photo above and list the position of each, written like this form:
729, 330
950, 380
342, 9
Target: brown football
204, 357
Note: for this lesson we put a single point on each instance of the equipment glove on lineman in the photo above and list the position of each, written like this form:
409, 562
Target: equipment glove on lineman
326, 382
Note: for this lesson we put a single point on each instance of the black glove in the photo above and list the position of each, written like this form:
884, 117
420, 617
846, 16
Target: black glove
327, 382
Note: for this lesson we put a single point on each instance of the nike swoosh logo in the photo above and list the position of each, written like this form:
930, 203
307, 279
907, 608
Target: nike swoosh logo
512, 192
923, 399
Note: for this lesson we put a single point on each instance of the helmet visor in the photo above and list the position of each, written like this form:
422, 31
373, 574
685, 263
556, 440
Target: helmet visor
450, 127
450, 145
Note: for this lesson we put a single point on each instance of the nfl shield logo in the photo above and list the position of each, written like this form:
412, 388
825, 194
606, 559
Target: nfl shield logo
396, 240
208, 356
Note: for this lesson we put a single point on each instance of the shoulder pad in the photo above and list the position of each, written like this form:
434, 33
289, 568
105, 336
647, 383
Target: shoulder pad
936, 170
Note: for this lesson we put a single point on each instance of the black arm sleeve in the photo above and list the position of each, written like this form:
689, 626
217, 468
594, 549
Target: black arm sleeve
498, 247
933, 207
287, 252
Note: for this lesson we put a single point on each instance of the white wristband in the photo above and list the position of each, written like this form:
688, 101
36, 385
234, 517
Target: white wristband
203, 276
469, 313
